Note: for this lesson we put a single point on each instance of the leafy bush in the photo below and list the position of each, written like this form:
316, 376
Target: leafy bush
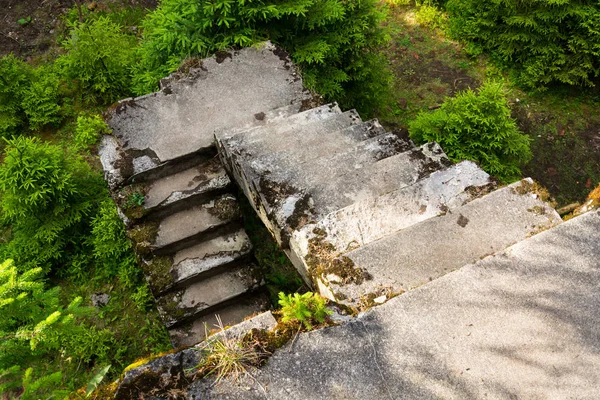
41, 99
544, 41
478, 127
15, 77
48, 196
306, 309
88, 129
333, 41
100, 56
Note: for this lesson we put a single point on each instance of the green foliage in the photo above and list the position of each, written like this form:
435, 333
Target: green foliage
96, 380
100, 57
89, 128
41, 99
544, 41
307, 309
34, 328
15, 78
333, 41
478, 127
48, 196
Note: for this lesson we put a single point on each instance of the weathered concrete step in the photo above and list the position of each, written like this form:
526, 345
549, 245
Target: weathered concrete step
285, 203
432, 248
372, 219
175, 231
201, 260
296, 145
230, 315
200, 297
193, 184
370, 180
279, 120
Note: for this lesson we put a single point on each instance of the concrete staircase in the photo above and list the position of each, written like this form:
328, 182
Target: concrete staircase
365, 214
177, 200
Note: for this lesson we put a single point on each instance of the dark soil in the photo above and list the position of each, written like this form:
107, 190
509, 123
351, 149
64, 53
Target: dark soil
42, 22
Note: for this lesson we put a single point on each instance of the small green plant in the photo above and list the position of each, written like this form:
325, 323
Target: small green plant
135, 199
430, 16
89, 128
478, 127
24, 21
15, 78
305, 309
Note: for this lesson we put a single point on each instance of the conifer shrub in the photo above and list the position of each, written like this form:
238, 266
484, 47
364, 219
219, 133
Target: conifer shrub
48, 197
544, 41
15, 78
35, 328
41, 99
478, 127
333, 41
99, 56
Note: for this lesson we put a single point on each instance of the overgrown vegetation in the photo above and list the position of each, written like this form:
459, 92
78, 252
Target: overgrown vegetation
62, 231
478, 127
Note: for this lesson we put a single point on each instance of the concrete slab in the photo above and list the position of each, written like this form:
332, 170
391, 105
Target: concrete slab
196, 220
200, 297
424, 252
519, 325
230, 91
366, 221
194, 182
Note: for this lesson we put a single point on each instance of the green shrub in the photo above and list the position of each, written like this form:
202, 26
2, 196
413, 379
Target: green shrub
333, 41
543, 41
35, 328
306, 309
48, 196
478, 127
100, 57
41, 99
88, 129
15, 78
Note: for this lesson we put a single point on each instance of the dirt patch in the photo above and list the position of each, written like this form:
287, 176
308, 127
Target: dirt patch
31, 28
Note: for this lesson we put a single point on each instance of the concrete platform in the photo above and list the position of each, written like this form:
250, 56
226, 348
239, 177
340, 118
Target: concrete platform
184, 115
522, 324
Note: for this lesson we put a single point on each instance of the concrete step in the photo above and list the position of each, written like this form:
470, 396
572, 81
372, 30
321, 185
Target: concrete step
192, 185
295, 145
198, 261
201, 297
183, 228
437, 246
366, 221
280, 120
220, 94
229, 315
